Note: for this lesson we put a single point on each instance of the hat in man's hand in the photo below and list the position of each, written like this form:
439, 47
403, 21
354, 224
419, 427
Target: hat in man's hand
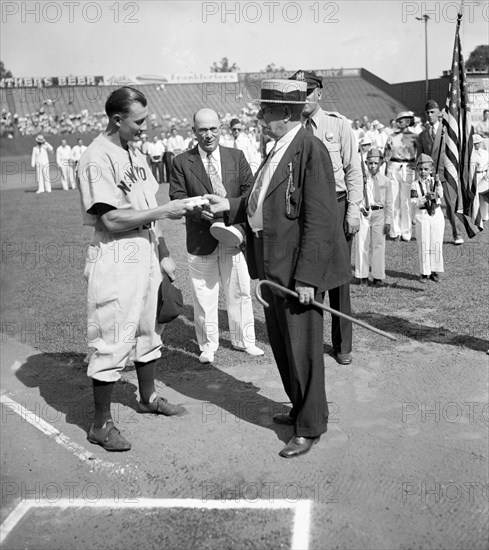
231, 235
310, 77
170, 301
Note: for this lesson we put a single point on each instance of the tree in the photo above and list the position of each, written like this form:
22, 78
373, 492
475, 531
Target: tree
223, 66
272, 68
478, 59
3, 71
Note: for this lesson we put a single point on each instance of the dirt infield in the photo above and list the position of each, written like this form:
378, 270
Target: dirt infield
403, 464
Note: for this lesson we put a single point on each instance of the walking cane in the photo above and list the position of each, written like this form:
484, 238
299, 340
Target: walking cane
317, 304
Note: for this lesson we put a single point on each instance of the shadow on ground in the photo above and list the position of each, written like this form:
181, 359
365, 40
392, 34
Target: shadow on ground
64, 385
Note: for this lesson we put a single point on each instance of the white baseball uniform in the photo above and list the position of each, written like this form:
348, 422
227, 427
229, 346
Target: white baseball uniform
65, 163
122, 269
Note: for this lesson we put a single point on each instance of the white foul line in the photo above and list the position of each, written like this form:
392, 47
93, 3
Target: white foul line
300, 531
46, 428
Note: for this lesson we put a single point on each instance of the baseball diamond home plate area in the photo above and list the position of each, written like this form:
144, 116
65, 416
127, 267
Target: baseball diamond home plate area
404, 463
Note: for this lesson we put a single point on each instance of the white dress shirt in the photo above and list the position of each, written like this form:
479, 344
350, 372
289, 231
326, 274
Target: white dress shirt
215, 159
266, 172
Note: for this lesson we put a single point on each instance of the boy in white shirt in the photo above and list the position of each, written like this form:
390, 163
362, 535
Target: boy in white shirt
426, 195
375, 222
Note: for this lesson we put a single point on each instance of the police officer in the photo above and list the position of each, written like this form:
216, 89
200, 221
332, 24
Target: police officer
335, 132
400, 153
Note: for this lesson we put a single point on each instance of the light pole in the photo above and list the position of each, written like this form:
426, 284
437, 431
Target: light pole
425, 19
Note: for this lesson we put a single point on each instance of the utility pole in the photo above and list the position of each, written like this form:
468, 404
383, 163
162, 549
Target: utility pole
425, 19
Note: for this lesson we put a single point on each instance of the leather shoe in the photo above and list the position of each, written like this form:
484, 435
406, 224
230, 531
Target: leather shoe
160, 405
108, 437
283, 418
298, 446
343, 358
206, 357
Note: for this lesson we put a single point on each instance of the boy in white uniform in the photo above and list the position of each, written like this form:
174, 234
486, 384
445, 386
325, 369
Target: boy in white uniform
426, 195
123, 262
375, 222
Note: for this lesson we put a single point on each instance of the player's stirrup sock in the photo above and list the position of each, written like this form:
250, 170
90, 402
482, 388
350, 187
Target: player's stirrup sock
102, 395
146, 379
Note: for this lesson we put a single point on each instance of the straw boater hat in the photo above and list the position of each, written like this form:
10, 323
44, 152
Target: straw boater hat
477, 139
283, 91
40, 139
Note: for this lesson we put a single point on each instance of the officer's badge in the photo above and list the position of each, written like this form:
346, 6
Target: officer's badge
300, 76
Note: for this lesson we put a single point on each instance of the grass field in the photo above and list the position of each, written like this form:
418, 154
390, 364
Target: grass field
43, 290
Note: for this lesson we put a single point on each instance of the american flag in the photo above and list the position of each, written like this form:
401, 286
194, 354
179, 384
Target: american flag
459, 172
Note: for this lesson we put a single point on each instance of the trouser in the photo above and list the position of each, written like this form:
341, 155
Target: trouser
43, 178
371, 233
339, 299
124, 276
227, 266
429, 235
156, 170
295, 333
168, 161
67, 176
401, 176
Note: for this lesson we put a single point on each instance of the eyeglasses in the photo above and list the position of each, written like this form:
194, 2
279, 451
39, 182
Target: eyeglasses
236, 129
203, 131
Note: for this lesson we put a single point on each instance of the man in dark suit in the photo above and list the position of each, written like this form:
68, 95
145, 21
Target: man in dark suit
430, 142
296, 239
210, 168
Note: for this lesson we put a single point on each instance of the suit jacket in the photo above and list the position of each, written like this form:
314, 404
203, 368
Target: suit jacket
424, 143
303, 236
189, 179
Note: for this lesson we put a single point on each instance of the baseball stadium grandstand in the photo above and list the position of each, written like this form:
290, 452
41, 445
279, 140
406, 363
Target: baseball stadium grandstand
80, 109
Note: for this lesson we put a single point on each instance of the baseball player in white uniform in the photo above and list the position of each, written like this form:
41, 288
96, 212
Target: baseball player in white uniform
40, 161
375, 222
65, 163
123, 262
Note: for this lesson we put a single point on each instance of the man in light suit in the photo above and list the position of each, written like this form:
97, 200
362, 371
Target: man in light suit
40, 161
296, 239
210, 168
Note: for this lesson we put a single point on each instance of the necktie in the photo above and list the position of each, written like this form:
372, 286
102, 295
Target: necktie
255, 194
309, 126
216, 182
235, 144
376, 190
432, 132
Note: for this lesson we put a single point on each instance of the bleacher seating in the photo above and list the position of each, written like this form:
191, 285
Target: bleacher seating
174, 104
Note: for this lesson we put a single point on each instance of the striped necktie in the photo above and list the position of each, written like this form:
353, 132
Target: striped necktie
213, 174
255, 194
